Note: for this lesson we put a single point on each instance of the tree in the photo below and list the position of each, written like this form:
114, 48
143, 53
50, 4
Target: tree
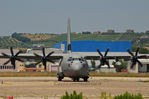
119, 68
141, 51
20, 38
93, 63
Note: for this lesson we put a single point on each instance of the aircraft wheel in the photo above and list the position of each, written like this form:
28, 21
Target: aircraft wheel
77, 79
74, 79
85, 79
60, 78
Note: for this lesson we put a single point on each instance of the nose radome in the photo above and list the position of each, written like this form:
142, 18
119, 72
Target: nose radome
77, 67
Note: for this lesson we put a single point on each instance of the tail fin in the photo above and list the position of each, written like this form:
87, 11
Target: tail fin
68, 36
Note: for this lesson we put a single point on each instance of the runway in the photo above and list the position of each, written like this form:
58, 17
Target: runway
40, 87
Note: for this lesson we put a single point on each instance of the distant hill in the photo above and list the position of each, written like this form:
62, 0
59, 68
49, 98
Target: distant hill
37, 37
25, 40
6, 42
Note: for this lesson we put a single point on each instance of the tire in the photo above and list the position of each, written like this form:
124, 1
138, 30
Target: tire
78, 79
74, 79
85, 79
59, 79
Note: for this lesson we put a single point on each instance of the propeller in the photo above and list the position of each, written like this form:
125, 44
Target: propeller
135, 58
103, 58
44, 58
12, 57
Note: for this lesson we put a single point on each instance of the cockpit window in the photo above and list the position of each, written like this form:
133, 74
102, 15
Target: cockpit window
70, 59
75, 59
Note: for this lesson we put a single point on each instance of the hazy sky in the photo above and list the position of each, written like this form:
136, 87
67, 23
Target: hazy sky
86, 15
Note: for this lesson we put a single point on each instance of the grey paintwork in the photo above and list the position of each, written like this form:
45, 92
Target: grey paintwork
73, 66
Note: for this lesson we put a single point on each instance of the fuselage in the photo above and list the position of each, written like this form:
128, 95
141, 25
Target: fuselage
74, 66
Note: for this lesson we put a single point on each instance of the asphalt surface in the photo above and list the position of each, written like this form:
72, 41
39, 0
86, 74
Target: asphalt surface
41, 87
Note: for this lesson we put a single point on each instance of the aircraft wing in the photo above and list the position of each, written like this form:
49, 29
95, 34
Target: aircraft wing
32, 56
110, 55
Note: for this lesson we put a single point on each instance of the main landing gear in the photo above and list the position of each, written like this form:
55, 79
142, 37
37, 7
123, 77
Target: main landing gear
60, 77
85, 79
77, 79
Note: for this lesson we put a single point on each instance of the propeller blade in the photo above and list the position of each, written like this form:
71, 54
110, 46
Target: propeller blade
5, 55
20, 51
38, 63
116, 59
99, 52
107, 63
11, 50
37, 55
45, 66
139, 63
106, 52
99, 66
50, 61
130, 52
143, 56
6, 62
14, 65
50, 54
133, 63
19, 59
137, 51
43, 51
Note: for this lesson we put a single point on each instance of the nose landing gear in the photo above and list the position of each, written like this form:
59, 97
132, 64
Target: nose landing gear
60, 76
76, 79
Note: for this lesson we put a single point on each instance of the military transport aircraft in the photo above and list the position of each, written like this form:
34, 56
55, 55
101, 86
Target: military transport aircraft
72, 64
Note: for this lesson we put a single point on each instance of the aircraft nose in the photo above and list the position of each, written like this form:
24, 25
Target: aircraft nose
77, 67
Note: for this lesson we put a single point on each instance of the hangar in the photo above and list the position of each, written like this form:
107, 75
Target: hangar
92, 46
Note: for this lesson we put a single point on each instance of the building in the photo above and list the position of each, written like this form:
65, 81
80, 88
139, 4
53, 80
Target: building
129, 31
34, 68
147, 32
9, 67
110, 31
92, 46
139, 69
53, 67
27, 65
97, 32
20, 67
37, 46
87, 32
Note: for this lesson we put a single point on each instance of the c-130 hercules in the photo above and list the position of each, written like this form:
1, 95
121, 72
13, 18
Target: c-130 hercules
73, 65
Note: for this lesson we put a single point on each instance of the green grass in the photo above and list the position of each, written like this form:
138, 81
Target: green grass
73, 95
145, 81
96, 74
103, 95
28, 74
127, 95
54, 74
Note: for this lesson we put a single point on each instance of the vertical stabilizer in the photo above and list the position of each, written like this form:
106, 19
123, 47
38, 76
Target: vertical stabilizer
68, 36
